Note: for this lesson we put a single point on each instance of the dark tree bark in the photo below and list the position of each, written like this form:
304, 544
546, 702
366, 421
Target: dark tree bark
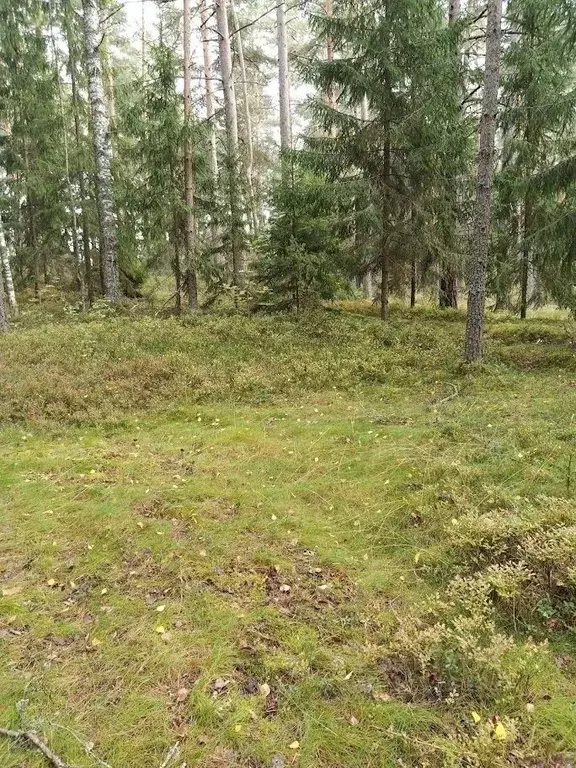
448, 294
483, 216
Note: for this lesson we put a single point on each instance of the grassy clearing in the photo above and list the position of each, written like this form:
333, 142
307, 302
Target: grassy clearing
190, 511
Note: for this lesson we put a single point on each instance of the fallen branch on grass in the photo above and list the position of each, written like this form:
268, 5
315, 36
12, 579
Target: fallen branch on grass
36, 741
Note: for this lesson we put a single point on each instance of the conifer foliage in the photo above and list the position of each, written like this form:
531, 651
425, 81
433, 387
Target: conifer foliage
157, 152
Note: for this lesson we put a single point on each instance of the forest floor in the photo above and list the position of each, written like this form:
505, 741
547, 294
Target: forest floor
212, 530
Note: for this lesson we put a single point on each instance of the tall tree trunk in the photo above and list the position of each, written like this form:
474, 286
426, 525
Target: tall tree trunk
231, 115
143, 38
102, 152
448, 293
69, 192
249, 134
6, 273
480, 243
190, 221
209, 91
331, 94
386, 179
72, 69
210, 109
283, 81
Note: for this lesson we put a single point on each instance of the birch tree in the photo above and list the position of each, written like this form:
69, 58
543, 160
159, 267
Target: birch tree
3, 256
6, 273
100, 124
190, 225
283, 80
483, 212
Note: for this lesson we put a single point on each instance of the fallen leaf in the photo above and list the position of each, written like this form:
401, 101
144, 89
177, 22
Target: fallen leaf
96, 642
104, 591
9, 592
51, 582
160, 608
353, 720
265, 690
285, 588
417, 558
182, 695
529, 707
294, 745
238, 728
160, 630
140, 525
500, 732
202, 553
220, 684
476, 717
348, 676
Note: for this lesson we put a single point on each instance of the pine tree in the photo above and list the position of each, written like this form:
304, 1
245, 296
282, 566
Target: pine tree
100, 124
232, 145
480, 242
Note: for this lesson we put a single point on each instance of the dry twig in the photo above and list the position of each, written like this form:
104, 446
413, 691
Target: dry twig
36, 741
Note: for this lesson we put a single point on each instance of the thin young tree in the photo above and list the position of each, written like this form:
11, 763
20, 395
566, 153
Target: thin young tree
448, 294
80, 174
231, 118
209, 90
6, 277
248, 130
100, 124
3, 309
190, 243
480, 242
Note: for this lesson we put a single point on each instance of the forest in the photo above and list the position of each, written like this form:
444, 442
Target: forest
287, 383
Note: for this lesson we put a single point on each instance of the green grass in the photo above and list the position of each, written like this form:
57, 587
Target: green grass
203, 468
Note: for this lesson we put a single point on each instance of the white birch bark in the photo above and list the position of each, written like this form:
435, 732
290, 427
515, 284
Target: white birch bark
7, 273
102, 151
283, 80
190, 231
3, 255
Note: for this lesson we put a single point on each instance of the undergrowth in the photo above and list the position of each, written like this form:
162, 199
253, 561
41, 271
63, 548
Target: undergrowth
318, 541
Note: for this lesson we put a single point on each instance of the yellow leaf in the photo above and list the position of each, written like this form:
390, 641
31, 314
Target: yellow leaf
160, 630
500, 732
294, 745
51, 582
104, 591
476, 717
265, 690
417, 557
529, 707
96, 642
238, 728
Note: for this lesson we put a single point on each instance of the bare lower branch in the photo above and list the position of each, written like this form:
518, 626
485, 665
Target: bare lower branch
35, 741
